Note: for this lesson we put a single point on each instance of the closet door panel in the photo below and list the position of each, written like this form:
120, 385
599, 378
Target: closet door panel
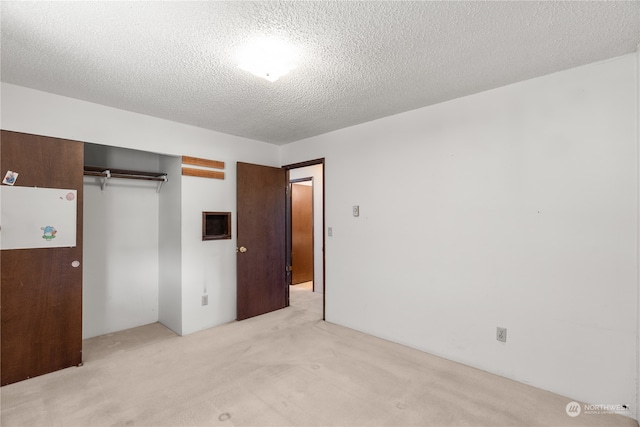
41, 289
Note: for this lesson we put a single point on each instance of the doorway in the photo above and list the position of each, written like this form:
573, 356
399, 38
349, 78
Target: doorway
264, 241
302, 251
311, 176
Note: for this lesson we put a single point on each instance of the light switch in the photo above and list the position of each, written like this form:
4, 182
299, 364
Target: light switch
356, 211
330, 231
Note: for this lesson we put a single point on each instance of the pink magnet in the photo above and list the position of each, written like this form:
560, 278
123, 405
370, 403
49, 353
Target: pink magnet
70, 196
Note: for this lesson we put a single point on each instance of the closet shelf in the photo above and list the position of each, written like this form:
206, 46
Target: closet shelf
108, 173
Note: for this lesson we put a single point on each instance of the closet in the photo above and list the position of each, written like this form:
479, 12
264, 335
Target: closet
121, 242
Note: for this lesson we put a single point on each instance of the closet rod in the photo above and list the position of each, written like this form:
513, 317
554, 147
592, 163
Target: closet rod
122, 173
107, 173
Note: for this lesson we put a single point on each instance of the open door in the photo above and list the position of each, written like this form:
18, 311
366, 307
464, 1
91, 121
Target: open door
261, 259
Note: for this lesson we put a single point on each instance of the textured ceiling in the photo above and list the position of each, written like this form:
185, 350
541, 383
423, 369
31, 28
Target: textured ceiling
360, 60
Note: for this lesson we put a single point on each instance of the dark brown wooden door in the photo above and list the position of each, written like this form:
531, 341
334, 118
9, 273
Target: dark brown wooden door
41, 311
261, 282
301, 233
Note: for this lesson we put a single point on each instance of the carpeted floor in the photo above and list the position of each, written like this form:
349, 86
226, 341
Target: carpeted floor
286, 368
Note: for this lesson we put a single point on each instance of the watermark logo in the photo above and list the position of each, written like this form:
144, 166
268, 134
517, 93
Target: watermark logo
605, 408
573, 409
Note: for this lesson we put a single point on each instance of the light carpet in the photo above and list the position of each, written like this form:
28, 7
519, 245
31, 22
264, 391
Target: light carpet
286, 368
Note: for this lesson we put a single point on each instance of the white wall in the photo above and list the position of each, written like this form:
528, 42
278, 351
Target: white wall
41, 113
211, 267
170, 245
638, 309
120, 245
516, 207
314, 172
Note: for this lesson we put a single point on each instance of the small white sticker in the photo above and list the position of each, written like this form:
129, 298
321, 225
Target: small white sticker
10, 178
75, 264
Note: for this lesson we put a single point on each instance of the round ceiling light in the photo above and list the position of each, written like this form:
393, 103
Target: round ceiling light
268, 58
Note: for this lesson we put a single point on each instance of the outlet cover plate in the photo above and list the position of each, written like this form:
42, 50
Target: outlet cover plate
501, 334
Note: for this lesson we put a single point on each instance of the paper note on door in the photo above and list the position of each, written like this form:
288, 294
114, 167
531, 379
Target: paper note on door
37, 217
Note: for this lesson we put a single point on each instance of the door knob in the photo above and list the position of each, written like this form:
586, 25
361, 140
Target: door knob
242, 249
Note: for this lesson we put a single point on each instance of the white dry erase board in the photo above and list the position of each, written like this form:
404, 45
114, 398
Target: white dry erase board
37, 217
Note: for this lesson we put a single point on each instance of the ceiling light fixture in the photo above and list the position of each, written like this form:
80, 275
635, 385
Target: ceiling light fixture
268, 58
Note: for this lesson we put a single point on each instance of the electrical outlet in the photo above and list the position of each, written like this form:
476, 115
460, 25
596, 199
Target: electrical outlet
205, 299
501, 334
356, 211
